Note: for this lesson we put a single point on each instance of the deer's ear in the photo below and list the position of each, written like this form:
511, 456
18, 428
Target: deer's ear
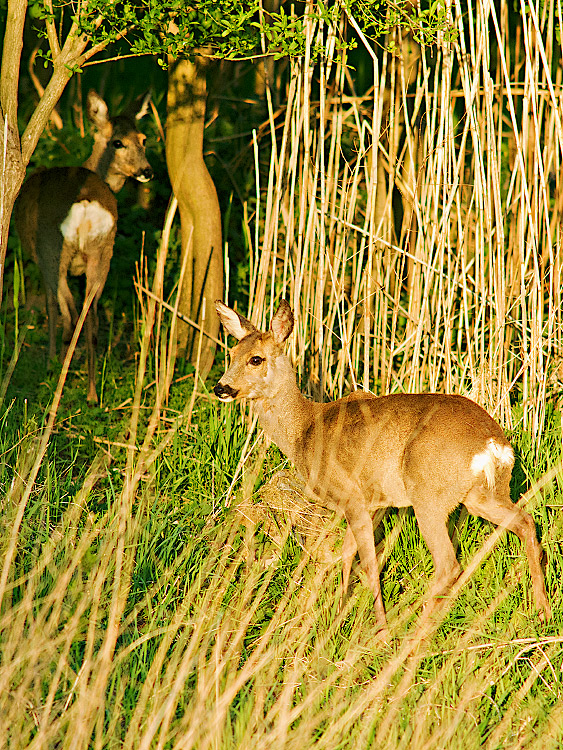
97, 110
282, 322
139, 107
234, 323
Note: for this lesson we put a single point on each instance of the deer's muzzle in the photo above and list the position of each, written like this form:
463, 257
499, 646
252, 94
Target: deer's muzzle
144, 175
225, 392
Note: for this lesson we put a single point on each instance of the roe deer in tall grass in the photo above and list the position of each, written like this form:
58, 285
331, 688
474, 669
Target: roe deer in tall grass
66, 218
360, 453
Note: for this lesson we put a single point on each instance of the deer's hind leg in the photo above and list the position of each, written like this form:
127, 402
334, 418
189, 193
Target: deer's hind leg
68, 310
52, 318
96, 274
496, 506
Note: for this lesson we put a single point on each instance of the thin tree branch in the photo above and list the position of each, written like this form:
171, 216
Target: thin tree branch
55, 118
52, 31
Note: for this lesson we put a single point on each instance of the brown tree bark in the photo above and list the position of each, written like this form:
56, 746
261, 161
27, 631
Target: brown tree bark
200, 215
12, 166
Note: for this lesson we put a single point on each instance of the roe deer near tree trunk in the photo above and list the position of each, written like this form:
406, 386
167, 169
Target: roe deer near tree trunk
360, 453
66, 218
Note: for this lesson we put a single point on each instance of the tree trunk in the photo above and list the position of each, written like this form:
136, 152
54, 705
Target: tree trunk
12, 174
12, 167
198, 205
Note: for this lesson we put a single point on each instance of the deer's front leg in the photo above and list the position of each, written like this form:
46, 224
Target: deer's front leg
349, 549
359, 520
345, 493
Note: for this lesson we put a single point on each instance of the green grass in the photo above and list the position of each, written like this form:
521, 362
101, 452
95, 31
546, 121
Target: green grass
133, 614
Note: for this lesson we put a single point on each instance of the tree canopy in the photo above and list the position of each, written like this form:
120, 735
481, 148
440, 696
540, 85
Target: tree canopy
226, 29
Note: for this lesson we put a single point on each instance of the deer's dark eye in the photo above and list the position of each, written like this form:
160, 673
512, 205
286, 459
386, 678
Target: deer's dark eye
118, 144
255, 361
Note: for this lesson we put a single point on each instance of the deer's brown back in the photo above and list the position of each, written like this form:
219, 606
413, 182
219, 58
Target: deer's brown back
396, 447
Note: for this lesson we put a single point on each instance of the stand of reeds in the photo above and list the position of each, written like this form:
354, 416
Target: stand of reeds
416, 228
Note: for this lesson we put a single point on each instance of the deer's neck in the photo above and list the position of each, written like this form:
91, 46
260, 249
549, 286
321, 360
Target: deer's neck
285, 415
100, 162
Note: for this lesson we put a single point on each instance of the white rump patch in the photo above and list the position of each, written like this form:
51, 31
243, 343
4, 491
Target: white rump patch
86, 221
495, 455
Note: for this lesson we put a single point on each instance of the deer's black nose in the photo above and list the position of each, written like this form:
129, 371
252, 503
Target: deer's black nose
224, 392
